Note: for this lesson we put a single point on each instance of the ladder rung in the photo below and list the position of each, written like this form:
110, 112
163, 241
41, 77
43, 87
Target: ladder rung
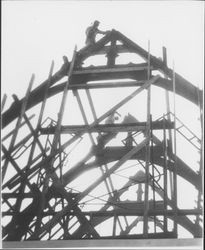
179, 127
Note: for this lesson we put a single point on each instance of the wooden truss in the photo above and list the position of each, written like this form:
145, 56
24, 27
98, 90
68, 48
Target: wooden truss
39, 201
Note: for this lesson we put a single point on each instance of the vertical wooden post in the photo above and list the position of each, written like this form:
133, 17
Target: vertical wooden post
165, 173
62, 107
112, 54
170, 144
114, 225
146, 199
45, 96
201, 160
153, 172
83, 113
175, 158
44, 104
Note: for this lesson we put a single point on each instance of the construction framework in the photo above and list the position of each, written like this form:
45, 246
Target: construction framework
39, 199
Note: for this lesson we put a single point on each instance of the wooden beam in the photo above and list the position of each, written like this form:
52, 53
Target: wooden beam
13, 181
10, 133
65, 210
62, 106
18, 124
147, 165
15, 165
109, 70
149, 244
3, 102
138, 126
122, 212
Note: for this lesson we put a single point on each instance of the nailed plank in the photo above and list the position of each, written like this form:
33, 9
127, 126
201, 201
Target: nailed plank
123, 212
138, 126
108, 70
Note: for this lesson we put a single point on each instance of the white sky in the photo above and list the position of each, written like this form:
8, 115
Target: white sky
36, 32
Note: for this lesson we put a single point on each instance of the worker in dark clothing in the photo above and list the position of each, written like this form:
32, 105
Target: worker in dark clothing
65, 67
104, 138
65, 60
112, 118
129, 119
91, 33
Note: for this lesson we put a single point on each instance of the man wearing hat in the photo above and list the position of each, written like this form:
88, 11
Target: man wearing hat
91, 33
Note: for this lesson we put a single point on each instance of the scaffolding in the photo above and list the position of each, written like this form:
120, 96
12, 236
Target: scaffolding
39, 199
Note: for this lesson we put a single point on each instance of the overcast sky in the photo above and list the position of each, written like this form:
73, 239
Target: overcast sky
36, 32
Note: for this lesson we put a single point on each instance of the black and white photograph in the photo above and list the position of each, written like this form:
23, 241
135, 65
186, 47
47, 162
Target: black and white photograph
102, 124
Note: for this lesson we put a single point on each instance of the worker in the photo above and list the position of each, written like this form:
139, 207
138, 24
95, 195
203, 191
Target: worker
65, 67
65, 60
112, 118
105, 137
91, 33
129, 119
15, 97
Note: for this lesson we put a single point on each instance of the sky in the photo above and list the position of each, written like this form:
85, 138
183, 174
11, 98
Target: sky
36, 32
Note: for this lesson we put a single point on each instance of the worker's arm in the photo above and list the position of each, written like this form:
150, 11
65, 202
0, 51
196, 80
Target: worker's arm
102, 32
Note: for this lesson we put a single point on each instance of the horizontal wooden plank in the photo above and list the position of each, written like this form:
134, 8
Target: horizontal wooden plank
110, 84
108, 70
193, 244
128, 127
135, 211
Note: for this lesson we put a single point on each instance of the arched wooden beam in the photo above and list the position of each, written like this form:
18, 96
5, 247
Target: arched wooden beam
183, 87
110, 154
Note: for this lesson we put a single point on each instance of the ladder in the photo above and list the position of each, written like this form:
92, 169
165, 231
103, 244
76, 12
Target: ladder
190, 136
